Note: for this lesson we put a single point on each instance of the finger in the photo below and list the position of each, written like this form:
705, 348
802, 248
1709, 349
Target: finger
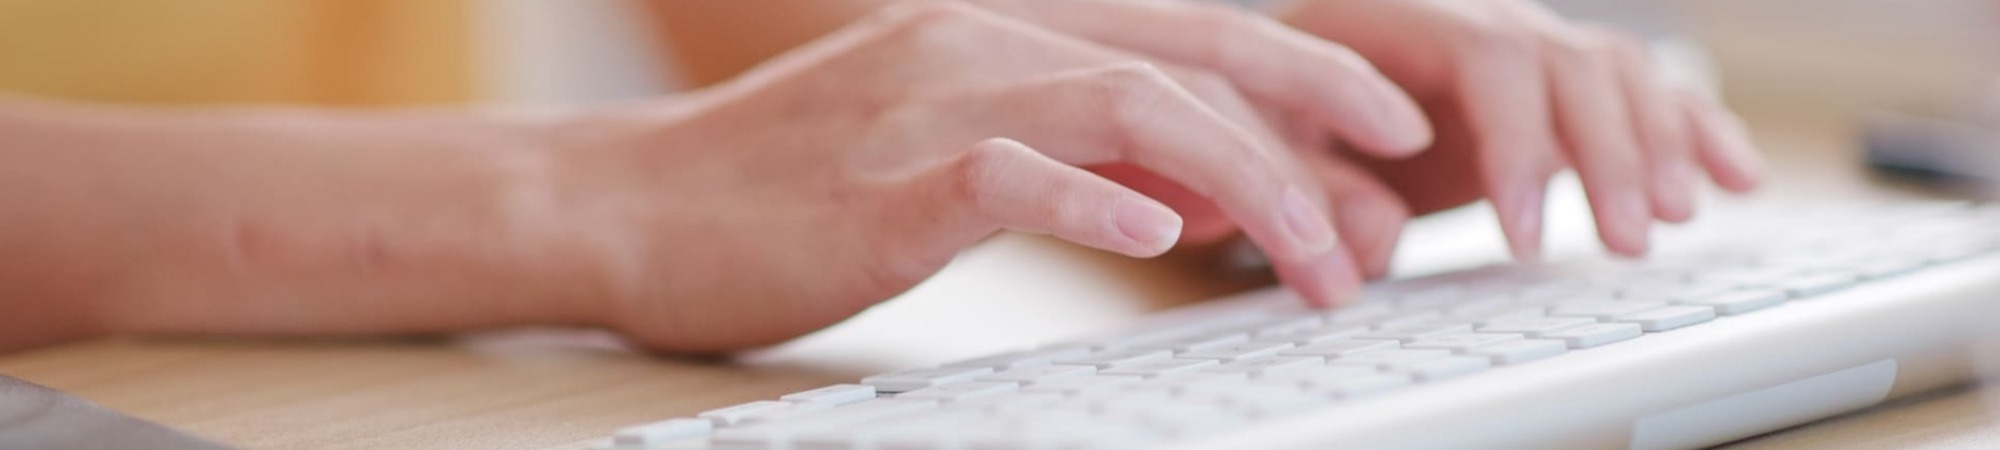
1268, 60
1597, 131
1369, 215
1504, 97
1001, 183
1662, 130
1202, 221
1722, 145
1134, 113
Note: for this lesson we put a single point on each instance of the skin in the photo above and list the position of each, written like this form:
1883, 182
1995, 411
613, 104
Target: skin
1513, 93
853, 166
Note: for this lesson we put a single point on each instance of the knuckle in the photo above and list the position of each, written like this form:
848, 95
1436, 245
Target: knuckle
1501, 39
1584, 52
1224, 19
929, 12
1130, 91
973, 176
1205, 84
1127, 75
1227, 28
931, 22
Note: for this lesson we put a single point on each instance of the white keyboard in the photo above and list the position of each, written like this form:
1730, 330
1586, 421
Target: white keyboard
1218, 369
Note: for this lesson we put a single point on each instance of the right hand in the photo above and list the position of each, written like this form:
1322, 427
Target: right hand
847, 171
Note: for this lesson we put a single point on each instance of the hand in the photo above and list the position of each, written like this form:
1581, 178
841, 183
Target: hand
849, 170
1516, 93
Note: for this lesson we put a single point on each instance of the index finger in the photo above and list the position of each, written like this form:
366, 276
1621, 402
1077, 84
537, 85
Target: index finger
1135, 113
1266, 59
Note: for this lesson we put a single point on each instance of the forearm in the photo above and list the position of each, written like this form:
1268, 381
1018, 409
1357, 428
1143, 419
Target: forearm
269, 222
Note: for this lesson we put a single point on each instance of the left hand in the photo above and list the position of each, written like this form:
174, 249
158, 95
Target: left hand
1516, 93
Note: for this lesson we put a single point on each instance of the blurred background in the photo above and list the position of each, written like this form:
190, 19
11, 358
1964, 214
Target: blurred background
1843, 54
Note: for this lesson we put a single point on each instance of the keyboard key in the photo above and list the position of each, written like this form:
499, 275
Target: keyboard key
936, 430
1173, 418
1739, 302
1032, 398
1484, 304
1342, 347
911, 380
834, 395
1412, 332
1534, 326
960, 391
1319, 334
1287, 326
1509, 312
859, 412
1023, 358
1277, 402
1037, 374
1107, 359
1603, 310
1668, 318
1237, 352
1754, 278
732, 415
764, 436
1386, 358
1442, 368
662, 432
842, 426
1555, 289
1688, 292
1358, 313
1462, 343
1057, 431
1161, 368
1257, 367
1184, 382
1242, 394
1409, 320
1520, 351
1318, 376
1592, 335
1079, 385
1361, 386
1180, 328
1203, 342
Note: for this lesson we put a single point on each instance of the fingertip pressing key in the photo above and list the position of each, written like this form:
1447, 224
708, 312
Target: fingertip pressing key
1311, 232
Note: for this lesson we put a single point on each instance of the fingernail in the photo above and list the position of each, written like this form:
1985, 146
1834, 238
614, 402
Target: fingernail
1310, 229
1526, 219
1150, 225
